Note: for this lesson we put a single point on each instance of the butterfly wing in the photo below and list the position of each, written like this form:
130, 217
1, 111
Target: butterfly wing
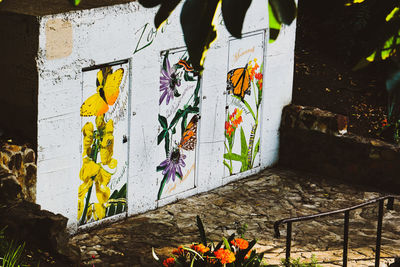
238, 81
189, 137
94, 106
186, 65
111, 87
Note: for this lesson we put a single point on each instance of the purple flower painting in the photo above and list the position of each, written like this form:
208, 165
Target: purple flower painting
173, 164
169, 80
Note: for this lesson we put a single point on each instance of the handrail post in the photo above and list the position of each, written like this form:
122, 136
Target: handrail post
288, 242
346, 237
379, 233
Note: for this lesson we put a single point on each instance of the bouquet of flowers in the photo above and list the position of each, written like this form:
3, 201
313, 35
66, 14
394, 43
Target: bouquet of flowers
235, 252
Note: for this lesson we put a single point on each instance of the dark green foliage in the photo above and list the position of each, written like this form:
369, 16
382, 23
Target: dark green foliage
233, 12
150, 3
284, 10
167, 6
201, 230
196, 21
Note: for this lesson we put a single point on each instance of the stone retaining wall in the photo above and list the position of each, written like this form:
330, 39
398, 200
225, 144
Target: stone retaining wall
18, 164
317, 141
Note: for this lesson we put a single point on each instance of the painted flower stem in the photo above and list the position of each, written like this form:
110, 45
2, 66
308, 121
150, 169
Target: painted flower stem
89, 193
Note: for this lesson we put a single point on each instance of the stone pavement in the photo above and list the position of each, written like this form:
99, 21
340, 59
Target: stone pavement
258, 201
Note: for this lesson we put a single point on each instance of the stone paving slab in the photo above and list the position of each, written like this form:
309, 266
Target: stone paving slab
258, 201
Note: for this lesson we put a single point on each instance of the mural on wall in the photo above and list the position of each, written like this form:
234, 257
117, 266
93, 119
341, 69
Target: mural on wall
179, 118
103, 173
244, 99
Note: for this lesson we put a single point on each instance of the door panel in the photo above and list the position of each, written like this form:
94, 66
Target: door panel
104, 120
243, 103
178, 118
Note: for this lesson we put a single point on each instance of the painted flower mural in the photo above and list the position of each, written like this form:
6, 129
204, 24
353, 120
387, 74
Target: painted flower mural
178, 120
94, 173
169, 81
173, 165
95, 200
243, 84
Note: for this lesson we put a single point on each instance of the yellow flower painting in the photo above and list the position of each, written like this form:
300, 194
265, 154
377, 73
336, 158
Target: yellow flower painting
95, 200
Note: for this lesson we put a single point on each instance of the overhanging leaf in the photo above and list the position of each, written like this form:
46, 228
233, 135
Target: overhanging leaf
167, 6
274, 25
233, 12
150, 3
284, 10
196, 21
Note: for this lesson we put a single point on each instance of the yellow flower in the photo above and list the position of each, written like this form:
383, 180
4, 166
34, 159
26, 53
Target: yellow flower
87, 131
107, 144
99, 211
100, 122
93, 172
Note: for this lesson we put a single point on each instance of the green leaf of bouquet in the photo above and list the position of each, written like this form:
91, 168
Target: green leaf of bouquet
198, 30
231, 237
162, 185
233, 156
165, 10
233, 12
242, 253
226, 244
163, 121
150, 3
202, 233
173, 130
161, 136
284, 10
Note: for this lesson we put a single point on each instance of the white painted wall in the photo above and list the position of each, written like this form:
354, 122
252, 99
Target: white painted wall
113, 33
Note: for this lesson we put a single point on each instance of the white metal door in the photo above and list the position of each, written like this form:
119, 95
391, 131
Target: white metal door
104, 119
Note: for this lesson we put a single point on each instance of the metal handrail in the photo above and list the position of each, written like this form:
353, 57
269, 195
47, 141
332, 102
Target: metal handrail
346, 212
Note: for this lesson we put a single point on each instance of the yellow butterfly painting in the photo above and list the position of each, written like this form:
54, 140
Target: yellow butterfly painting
108, 83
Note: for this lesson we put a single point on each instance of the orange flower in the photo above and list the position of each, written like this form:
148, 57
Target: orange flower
225, 256
258, 76
247, 255
229, 128
236, 117
169, 262
384, 123
178, 252
200, 248
240, 243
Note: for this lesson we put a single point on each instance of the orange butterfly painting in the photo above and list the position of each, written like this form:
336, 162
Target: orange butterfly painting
108, 83
238, 82
189, 136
